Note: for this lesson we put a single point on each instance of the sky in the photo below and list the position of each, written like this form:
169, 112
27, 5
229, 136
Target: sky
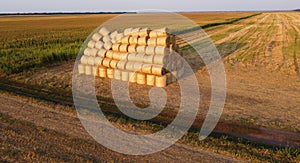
138, 5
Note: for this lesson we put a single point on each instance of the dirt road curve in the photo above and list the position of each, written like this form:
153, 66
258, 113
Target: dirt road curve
32, 130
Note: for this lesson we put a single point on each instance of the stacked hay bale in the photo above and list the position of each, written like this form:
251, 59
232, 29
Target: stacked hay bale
138, 55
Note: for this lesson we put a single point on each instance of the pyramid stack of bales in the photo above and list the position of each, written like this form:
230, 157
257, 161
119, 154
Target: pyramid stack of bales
137, 55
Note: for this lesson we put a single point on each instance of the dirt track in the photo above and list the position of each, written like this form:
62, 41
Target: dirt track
33, 130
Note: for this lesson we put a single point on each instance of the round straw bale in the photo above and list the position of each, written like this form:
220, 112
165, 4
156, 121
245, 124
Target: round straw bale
102, 53
95, 71
142, 40
148, 58
125, 75
117, 74
128, 31
160, 59
141, 49
153, 34
109, 54
123, 56
132, 48
125, 39
106, 39
135, 31
147, 68
91, 61
106, 62
161, 50
123, 48
137, 67
96, 37
161, 81
119, 37
133, 40
104, 31
113, 63
129, 66
132, 77
107, 45
116, 47
131, 57
150, 79
98, 61
121, 65
139, 57
140, 78
163, 41
157, 70
102, 72
91, 44
88, 70
110, 73
84, 59
99, 45
81, 69
152, 41
144, 32
113, 35
150, 50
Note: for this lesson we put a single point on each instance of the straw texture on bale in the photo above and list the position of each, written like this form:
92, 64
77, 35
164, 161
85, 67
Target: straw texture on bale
107, 45
161, 50
95, 71
113, 63
128, 31
116, 47
144, 32
102, 53
104, 31
130, 66
96, 37
150, 79
84, 59
91, 44
106, 62
148, 58
161, 81
123, 48
110, 73
131, 57
138, 66
142, 40
147, 68
88, 70
98, 61
150, 50
99, 45
117, 74
109, 54
102, 72
157, 70
132, 48
152, 41
91, 61
81, 69
133, 40
121, 65
132, 77
159, 59
141, 78
141, 49
125, 75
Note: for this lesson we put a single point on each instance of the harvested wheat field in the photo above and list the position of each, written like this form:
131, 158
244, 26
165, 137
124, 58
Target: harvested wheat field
260, 52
